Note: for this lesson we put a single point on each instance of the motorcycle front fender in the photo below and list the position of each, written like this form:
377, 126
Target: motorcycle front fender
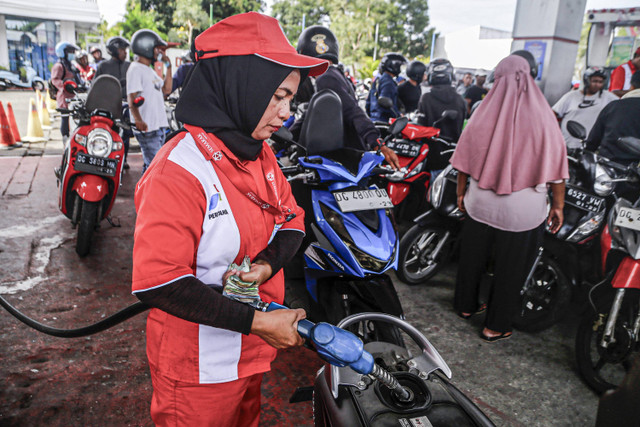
91, 188
627, 275
398, 191
380, 291
432, 216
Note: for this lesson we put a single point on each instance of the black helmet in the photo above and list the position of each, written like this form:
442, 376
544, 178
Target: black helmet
593, 72
533, 67
115, 43
416, 70
392, 62
144, 41
319, 42
440, 72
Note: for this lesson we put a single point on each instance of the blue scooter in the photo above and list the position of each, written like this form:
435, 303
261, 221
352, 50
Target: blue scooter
350, 237
33, 81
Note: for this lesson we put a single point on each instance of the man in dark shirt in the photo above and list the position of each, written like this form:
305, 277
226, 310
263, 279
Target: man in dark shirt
385, 86
117, 67
616, 120
441, 97
476, 92
409, 91
359, 131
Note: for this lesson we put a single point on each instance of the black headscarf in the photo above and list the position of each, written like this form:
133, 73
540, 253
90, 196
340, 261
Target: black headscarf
228, 95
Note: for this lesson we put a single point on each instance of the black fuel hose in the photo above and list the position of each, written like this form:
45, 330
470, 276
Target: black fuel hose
119, 317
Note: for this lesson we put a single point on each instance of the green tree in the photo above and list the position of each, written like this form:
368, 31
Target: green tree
226, 8
189, 14
291, 12
134, 20
164, 10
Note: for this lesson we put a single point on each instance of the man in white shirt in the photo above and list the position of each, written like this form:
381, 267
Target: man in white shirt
583, 106
142, 80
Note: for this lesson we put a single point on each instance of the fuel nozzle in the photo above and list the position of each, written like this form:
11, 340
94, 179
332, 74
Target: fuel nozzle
401, 393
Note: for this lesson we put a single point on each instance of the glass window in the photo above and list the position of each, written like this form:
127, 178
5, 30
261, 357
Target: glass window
32, 44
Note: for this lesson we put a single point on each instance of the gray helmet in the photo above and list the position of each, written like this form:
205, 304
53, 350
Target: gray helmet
115, 43
392, 62
440, 72
320, 42
593, 72
144, 41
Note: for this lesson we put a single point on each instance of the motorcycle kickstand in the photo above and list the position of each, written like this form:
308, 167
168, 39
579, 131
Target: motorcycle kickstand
112, 222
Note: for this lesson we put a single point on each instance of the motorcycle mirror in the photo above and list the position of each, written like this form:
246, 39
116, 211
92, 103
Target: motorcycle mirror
138, 101
398, 125
449, 115
70, 86
576, 130
629, 144
385, 102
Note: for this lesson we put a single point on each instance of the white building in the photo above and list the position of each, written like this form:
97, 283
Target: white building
30, 30
474, 47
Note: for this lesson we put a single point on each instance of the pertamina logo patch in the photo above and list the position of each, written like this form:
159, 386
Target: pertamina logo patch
213, 203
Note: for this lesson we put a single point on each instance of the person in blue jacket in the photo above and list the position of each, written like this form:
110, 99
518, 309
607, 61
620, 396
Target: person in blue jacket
386, 86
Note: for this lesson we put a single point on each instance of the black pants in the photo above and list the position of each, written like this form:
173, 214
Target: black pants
64, 124
513, 255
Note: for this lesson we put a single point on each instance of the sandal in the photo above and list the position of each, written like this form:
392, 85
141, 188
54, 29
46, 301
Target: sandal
503, 336
481, 309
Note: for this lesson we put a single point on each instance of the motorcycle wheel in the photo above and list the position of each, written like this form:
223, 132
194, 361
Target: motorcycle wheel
3, 86
545, 299
37, 85
414, 265
86, 226
368, 331
604, 368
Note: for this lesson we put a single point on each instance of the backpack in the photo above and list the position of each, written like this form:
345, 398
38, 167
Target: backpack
53, 90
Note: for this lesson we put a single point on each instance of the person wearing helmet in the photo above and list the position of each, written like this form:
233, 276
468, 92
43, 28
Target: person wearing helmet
213, 195
96, 53
583, 106
62, 71
621, 75
117, 66
82, 64
441, 97
182, 72
476, 92
359, 131
409, 91
142, 80
385, 85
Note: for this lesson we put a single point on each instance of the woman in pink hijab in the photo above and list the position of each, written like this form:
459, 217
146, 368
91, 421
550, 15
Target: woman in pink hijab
510, 151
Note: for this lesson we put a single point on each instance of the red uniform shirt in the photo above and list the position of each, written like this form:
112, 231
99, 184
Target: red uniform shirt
621, 76
192, 220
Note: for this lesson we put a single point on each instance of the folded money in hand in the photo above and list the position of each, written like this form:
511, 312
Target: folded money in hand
237, 289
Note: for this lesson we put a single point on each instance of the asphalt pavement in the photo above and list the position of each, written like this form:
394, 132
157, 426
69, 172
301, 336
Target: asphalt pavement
528, 380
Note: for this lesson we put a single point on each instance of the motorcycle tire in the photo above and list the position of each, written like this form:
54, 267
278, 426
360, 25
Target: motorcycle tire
86, 226
38, 85
604, 369
369, 331
546, 299
415, 246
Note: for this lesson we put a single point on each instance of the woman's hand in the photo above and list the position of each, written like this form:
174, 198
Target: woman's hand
279, 328
260, 272
461, 190
555, 219
390, 157
461, 203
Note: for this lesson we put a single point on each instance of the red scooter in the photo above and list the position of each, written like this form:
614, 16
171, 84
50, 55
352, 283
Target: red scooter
89, 176
609, 336
420, 151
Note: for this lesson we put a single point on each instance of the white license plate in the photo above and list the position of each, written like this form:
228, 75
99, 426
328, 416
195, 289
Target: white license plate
628, 218
362, 200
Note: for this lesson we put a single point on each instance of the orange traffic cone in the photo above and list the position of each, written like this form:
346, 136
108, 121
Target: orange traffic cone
34, 128
45, 118
6, 136
51, 104
13, 123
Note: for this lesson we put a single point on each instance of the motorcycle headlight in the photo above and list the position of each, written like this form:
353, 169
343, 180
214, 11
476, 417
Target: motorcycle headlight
415, 170
99, 142
435, 191
586, 229
602, 185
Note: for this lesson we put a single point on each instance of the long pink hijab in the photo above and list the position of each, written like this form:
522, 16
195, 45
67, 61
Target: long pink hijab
513, 140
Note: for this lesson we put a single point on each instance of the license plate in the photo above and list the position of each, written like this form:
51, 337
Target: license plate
580, 199
628, 218
362, 200
95, 165
405, 148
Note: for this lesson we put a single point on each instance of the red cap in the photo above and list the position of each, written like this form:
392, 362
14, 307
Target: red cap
253, 33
